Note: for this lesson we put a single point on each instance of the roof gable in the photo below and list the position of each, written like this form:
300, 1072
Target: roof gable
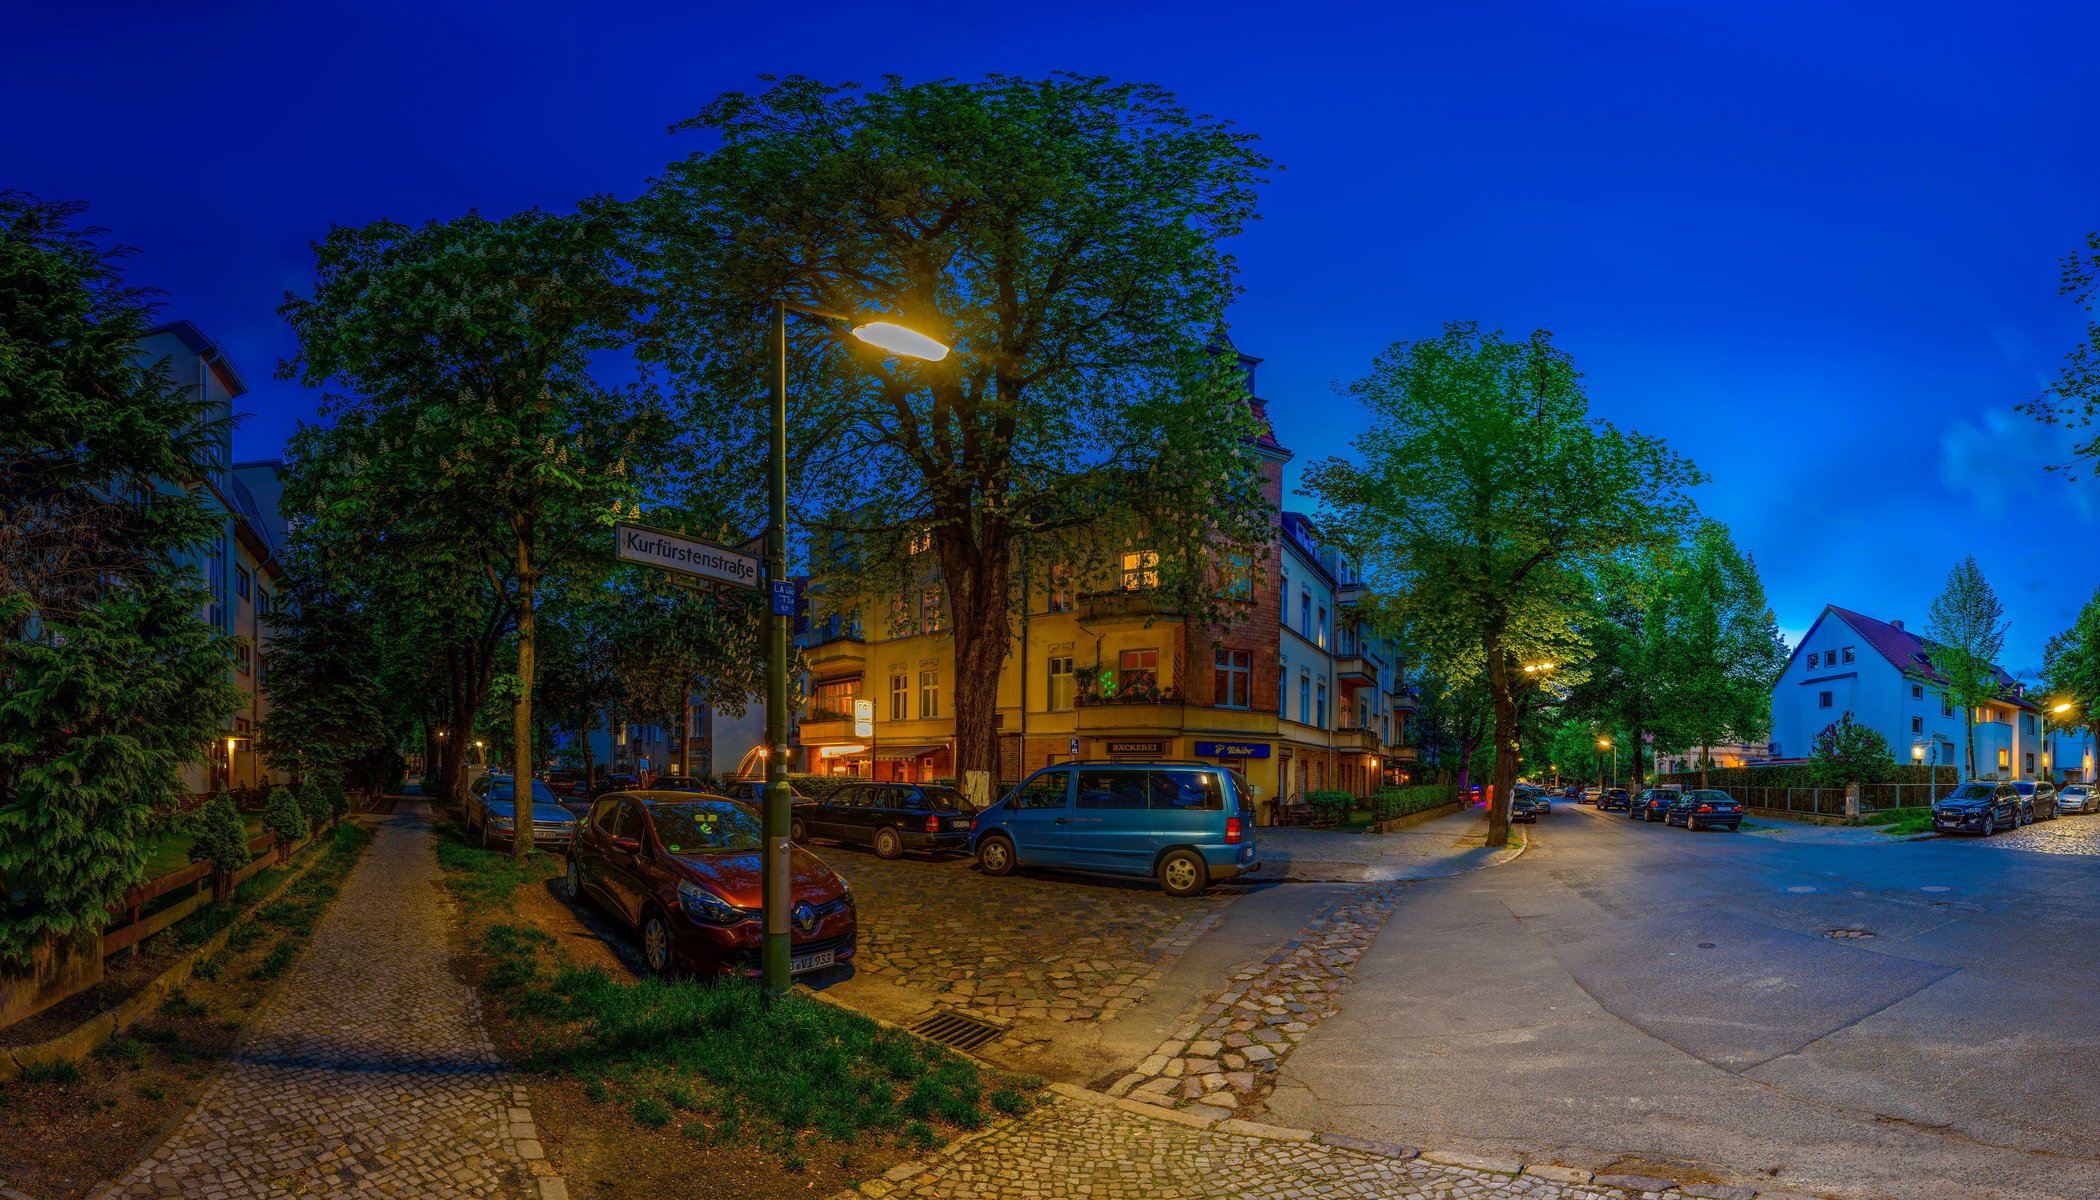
1910, 653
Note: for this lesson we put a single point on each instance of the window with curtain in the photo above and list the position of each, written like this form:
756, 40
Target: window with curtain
929, 694
1140, 570
1232, 678
1060, 682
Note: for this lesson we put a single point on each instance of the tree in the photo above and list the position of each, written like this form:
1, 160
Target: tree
1847, 752
219, 836
1627, 629
1062, 236
323, 679
2074, 399
1967, 631
284, 816
1486, 498
2071, 672
1723, 651
468, 346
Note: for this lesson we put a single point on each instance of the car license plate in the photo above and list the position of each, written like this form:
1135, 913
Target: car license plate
811, 962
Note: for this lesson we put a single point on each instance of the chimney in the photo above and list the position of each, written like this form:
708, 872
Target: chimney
1898, 622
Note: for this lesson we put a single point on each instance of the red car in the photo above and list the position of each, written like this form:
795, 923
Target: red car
683, 869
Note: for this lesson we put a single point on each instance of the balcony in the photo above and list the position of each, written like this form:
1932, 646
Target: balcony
829, 657
825, 728
1151, 716
1356, 737
1353, 669
1125, 604
1406, 754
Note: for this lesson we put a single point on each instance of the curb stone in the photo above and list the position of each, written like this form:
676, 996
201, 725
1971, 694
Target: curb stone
1474, 1162
1718, 1191
1558, 1174
1636, 1183
1366, 1146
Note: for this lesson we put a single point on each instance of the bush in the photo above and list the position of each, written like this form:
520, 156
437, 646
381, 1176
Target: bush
1335, 806
219, 836
314, 804
283, 816
1390, 803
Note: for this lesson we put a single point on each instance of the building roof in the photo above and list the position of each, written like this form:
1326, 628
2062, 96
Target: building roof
193, 340
1911, 654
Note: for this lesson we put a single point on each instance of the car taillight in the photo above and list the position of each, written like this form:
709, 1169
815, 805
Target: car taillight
1706, 808
1232, 831
933, 824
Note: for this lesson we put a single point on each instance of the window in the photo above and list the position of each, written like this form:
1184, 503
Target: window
1140, 570
247, 660
1060, 682
262, 602
2030, 764
930, 611
929, 694
1917, 724
215, 580
921, 542
1917, 691
1982, 715
1137, 668
1305, 615
1305, 699
1046, 790
900, 696
1848, 654
1814, 660
1236, 578
2004, 760
1060, 588
1112, 789
833, 699
1320, 628
240, 582
1320, 704
1823, 700
1946, 707
2027, 722
1232, 679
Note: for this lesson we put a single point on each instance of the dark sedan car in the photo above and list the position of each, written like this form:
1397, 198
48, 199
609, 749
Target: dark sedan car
1651, 804
494, 815
681, 783
683, 870
1704, 808
2037, 800
1614, 800
620, 782
1573, 794
753, 792
891, 817
1523, 808
565, 783
1977, 807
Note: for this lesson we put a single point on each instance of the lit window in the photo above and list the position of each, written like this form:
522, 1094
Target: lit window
1060, 682
1232, 679
1137, 668
1060, 588
921, 541
2004, 759
930, 611
1140, 570
1320, 629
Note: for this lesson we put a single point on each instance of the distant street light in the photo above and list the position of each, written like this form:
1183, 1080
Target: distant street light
776, 888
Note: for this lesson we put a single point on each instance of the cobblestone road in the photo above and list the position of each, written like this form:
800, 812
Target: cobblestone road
1093, 1149
368, 1074
1059, 948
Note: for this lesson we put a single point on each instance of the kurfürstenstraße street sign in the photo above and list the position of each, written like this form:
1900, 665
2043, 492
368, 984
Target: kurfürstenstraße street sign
686, 555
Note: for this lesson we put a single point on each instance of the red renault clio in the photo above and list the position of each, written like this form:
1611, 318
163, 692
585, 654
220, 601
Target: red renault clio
683, 870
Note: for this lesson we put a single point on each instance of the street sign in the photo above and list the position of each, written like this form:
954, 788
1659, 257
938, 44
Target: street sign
1075, 747
783, 597
863, 718
687, 556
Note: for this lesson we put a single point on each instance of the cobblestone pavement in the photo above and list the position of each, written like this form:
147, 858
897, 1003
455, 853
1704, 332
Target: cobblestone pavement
1022, 948
1095, 1148
368, 1073
1220, 1062
2078, 833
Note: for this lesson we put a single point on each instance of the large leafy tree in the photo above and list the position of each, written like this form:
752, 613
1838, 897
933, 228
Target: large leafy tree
109, 680
1627, 629
1486, 497
1723, 650
2073, 400
1847, 752
2071, 672
1966, 625
1063, 237
463, 351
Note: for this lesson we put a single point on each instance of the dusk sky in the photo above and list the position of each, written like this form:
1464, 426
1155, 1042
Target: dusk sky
1813, 244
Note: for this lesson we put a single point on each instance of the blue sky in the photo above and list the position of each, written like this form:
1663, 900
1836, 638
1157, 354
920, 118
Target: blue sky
1812, 244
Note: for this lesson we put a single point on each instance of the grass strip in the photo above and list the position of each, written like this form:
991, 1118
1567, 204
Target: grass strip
1900, 822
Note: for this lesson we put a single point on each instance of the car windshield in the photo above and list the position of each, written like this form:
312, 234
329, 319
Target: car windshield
1971, 791
706, 827
541, 793
2076, 789
2025, 789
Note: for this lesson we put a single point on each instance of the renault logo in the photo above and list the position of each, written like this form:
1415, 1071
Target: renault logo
805, 918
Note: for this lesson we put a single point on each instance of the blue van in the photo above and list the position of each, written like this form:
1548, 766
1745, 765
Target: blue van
1185, 824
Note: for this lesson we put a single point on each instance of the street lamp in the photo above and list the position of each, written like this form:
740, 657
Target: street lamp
1606, 744
776, 873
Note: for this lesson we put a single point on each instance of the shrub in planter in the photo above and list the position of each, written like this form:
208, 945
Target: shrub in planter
1333, 805
221, 838
283, 816
1391, 803
314, 803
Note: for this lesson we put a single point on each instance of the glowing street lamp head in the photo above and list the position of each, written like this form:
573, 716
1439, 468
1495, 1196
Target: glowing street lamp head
2064, 707
895, 338
1604, 743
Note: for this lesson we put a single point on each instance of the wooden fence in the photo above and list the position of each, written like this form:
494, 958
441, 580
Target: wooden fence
197, 885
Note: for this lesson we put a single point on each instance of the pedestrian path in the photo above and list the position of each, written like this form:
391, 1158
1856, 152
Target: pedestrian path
1432, 850
369, 1072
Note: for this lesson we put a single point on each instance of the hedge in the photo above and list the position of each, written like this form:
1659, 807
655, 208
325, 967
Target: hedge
1802, 775
1389, 803
1336, 805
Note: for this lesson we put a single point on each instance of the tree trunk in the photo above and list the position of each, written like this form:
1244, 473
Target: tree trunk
1503, 781
974, 579
1968, 722
588, 762
1705, 760
521, 712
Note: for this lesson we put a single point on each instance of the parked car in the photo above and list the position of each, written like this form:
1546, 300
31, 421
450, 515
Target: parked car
1978, 807
1573, 795
1543, 802
1523, 808
681, 783
1614, 800
495, 818
614, 782
1591, 795
890, 817
2077, 798
1650, 804
2037, 800
564, 782
1185, 824
753, 792
684, 871
1704, 808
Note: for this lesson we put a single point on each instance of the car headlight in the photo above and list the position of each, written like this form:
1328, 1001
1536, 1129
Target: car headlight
846, 892
502, 822
703, 905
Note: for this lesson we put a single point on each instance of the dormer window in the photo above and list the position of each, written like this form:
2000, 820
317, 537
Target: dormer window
1814, 661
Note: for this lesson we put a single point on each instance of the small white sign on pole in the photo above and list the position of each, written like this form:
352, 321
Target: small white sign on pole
688, 556
863, 718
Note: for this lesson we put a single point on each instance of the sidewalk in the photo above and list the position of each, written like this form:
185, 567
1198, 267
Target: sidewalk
369, 1072
1428, 851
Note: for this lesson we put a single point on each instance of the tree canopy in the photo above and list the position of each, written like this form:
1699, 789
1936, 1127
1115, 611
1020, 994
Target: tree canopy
1966, 626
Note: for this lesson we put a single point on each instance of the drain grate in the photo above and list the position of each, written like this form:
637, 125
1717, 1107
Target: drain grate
957, 1030
1848, 934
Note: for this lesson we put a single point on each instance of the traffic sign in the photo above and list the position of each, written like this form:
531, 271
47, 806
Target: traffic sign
669, 551
783, 597
1075, 748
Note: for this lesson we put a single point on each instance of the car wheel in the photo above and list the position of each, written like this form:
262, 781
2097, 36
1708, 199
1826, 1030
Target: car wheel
1183, 873
572, 883
487, 842
1691, 824
656, 943
888, 844
797, 832
995, 856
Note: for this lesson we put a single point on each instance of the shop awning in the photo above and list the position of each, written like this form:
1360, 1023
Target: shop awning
893, 753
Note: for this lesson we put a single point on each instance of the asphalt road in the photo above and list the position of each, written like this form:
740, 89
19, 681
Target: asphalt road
1912, 1019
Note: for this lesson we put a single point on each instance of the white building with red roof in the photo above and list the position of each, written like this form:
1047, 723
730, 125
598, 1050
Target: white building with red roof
1883, 675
